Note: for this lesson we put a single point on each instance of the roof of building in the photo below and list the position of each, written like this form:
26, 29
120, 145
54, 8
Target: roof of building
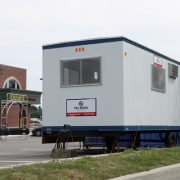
106, 40
33, 97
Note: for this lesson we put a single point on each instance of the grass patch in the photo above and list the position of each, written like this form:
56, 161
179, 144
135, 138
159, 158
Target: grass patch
98, 168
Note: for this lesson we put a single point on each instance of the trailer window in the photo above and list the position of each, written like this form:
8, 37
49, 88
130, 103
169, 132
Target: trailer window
80, 72
158, 79
71, 72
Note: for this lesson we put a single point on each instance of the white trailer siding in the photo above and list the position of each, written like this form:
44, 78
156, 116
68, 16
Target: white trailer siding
109, 93
125, 99
142, 105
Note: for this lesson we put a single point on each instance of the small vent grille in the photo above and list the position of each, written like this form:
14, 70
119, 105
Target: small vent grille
173, 71
158, 79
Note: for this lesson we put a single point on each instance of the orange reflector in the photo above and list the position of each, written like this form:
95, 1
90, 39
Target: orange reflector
79, 49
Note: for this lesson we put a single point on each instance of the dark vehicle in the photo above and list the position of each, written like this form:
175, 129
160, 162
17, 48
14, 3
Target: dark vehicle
37, 131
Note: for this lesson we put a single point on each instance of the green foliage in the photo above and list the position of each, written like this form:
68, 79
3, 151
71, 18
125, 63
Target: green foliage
96, 168
36, 112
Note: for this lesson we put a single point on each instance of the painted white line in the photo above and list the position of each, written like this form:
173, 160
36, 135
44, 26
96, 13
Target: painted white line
4, 154
33, 149
15, 161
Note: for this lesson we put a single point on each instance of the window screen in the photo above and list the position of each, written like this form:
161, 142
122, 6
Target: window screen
158, 79
80, 72
71, 72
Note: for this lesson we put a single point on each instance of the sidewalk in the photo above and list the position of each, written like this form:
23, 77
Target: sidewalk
165, 173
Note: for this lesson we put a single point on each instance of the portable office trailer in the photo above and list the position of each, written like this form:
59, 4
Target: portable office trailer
110, 87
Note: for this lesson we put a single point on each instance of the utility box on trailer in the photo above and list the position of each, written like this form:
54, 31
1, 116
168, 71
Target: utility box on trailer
101, 87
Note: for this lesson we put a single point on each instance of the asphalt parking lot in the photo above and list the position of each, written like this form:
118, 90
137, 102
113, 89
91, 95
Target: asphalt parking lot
17, 150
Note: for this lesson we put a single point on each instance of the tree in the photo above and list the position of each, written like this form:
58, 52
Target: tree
36, 112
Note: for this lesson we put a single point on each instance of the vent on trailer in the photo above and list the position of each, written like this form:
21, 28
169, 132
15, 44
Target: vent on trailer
173, 70
158, 82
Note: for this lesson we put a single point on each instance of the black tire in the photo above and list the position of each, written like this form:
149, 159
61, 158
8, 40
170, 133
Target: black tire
109, 141
38, 133
177, 140
171, 139
85, 146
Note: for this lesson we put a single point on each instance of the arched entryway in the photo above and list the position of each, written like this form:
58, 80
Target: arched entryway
7, 116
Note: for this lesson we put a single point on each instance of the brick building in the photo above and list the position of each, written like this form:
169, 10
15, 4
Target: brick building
15, 100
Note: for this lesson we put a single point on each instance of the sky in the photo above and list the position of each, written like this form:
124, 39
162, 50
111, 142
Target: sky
26, 25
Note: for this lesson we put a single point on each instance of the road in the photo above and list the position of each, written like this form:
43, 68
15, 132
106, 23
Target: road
23, 149
17, 150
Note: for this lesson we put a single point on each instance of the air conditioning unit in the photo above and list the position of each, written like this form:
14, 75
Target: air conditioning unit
173, 71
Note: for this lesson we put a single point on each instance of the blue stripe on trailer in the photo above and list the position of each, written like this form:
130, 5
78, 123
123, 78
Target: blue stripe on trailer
112, 128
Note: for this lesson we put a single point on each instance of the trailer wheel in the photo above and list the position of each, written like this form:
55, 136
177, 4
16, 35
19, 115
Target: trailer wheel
109, 141
171, 139
177, 140
85, 147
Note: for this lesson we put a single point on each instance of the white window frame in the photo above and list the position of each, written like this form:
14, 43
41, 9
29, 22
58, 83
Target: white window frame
12, 78
80, 84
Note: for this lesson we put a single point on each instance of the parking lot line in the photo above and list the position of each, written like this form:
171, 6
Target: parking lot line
15, 161
33, 149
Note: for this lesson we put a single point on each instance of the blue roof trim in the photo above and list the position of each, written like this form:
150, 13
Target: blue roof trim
107, 40
83, 42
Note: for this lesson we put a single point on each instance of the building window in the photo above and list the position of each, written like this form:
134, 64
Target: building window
80, 72
158, 79
12, 83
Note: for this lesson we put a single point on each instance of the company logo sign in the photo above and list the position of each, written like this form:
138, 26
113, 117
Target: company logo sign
81, 103
81, 107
